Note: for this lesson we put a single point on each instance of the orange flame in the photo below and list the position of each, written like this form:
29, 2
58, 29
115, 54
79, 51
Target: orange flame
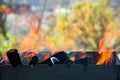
106, 52
81, 57
78, 55
84, 55
72, 58
4, 57
33, 40
106, 57
30, 55
46, 57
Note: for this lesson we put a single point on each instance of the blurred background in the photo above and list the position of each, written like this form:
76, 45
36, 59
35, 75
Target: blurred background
53, 25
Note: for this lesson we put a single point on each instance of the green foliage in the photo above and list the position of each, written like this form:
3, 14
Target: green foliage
6, 44
59, 36
90, 21
84, 27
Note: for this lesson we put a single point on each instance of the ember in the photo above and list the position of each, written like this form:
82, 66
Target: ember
26, 57
43, 56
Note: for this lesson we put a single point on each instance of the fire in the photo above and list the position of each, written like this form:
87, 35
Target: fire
46, 57
33, 40
4, 55
84, 55
29, 55
72, 58
106, 57
5, 59
78, 55
106, 53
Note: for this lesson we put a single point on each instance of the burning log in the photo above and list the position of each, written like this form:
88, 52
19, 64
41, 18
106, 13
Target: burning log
33, 61
42, 56
93, 57
74, 55
26, 57
80, 57
13, 57
57, 58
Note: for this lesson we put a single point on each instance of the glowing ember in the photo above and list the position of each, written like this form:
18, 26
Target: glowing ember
72, 58
76, 55
84, 55
29, 55
46, 57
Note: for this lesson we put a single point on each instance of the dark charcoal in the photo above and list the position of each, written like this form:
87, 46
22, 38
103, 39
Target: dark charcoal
84, 61
94, 56
115, 59
13, 57
57, 58
34, 60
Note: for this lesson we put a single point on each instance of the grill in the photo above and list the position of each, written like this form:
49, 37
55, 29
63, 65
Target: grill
60, 67
60, 72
